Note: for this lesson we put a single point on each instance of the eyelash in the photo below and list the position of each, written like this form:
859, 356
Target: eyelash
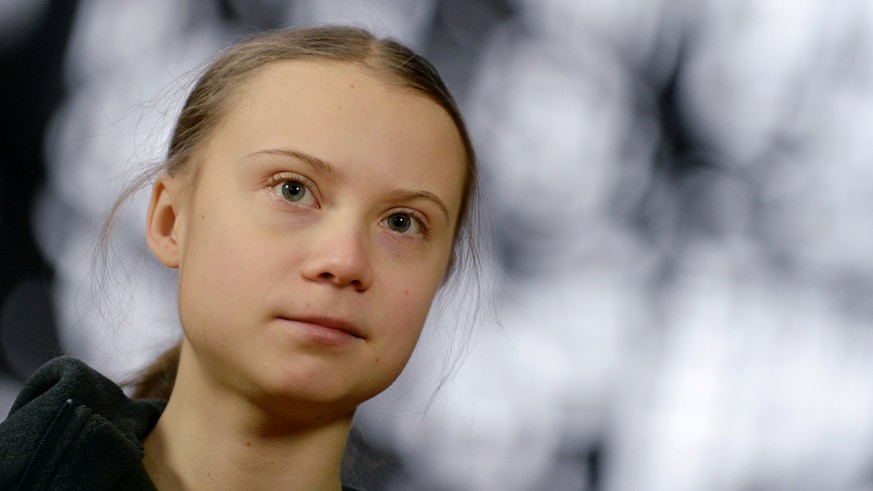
415, 215
283, 177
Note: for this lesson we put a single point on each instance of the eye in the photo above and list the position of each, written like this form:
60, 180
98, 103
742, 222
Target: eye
405, 223
294, 191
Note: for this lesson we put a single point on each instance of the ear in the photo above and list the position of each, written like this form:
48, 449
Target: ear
162, 221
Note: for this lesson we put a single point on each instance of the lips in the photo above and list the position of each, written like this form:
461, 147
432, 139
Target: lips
317, 323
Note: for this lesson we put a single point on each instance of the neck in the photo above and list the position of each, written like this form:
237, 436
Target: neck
208, 438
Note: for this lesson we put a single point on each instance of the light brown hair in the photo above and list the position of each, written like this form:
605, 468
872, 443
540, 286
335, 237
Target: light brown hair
209, 100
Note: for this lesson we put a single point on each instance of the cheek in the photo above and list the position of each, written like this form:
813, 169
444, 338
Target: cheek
410, 308
222, 267
410, 302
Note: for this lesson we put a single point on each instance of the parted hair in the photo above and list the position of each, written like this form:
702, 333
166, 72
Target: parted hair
210, 100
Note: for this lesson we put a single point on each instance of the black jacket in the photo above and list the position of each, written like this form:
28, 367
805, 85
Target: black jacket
72, 428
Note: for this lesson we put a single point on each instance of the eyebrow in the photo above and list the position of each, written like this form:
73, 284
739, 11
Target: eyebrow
312, 160
417, 195
326, 168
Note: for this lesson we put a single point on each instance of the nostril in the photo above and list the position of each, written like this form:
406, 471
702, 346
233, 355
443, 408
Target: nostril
339, 280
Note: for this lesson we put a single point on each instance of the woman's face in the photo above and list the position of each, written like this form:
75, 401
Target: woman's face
316, 233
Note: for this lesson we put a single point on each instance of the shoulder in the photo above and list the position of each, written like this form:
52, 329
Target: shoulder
63, 378
67, 414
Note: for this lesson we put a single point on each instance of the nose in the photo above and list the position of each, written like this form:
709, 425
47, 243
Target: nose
339, 256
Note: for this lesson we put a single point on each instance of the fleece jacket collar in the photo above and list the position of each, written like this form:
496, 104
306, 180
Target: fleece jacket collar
72, 428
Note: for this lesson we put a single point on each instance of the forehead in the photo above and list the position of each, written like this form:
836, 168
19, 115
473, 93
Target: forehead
346, 114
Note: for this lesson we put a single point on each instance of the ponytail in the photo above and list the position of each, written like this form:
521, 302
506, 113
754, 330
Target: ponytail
156, 380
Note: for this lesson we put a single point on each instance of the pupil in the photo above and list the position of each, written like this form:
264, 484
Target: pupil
293, 190
398, 222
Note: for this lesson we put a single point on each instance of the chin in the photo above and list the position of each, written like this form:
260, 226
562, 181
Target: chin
316, 393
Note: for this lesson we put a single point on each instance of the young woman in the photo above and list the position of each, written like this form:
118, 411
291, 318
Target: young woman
317, 188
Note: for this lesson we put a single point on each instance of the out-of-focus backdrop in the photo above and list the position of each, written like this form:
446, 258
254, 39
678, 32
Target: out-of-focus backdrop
680, 199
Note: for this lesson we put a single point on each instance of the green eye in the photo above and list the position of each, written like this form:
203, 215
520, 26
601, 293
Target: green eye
399, 222
293, 190
407, 223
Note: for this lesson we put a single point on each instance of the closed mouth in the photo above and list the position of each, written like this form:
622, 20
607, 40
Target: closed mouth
330, 323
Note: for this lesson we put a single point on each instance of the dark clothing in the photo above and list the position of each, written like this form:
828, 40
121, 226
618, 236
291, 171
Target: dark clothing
72, 428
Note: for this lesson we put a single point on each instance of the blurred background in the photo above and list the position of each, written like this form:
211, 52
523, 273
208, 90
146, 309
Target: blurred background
680, 200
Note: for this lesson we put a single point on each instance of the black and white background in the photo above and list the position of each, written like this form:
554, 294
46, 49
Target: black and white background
680, 194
